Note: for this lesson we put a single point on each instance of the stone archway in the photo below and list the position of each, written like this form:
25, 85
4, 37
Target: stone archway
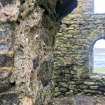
91, 46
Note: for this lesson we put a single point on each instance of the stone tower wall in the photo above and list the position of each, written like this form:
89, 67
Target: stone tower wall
27, 33
73, 52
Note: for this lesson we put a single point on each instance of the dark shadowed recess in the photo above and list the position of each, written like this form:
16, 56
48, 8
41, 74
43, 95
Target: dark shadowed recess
6, 61
10, 99
64, 7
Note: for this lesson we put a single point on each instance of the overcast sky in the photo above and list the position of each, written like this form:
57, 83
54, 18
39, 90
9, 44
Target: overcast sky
100, 44
99, 6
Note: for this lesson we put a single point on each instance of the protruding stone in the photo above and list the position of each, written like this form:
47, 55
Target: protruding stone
27, 101
9, 10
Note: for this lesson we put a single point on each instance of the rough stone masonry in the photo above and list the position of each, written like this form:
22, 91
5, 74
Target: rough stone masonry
27, 37
73, 76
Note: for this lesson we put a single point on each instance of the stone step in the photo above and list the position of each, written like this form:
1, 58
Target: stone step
80, 100
7, 69
7, 53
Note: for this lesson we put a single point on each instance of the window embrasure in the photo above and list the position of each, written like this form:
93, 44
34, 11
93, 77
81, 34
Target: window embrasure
99, 57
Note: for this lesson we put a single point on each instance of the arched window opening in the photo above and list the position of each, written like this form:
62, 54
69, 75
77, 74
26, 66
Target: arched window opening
99, 56
99, 6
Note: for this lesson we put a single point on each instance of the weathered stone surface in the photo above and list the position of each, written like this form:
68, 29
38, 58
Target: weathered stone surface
9, 99
73, 52
29, 32
64, 101
80, 100
9, 10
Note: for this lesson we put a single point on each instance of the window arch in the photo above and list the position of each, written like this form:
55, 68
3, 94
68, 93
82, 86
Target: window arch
99, 56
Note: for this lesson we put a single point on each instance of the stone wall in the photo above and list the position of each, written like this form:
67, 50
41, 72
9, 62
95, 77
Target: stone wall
73, 53
27, 37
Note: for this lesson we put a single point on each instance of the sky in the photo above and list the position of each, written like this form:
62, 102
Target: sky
100, 43
99, 6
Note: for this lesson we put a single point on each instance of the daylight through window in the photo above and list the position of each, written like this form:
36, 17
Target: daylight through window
99, 6
99, 56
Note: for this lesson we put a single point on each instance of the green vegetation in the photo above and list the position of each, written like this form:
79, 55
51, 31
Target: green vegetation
99, 70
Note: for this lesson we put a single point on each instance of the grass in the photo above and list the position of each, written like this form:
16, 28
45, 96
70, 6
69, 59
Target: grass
99, 70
